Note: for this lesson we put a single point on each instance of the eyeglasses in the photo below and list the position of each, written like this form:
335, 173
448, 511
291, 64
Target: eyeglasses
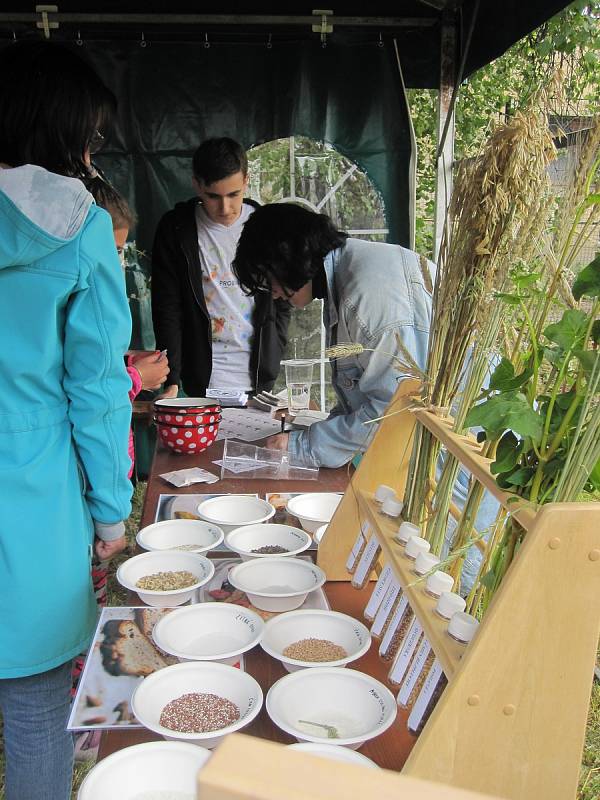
96, 142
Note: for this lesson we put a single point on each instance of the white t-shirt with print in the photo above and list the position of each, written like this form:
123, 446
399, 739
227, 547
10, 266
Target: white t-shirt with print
229, 308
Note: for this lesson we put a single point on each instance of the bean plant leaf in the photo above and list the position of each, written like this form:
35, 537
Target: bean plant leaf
507, 453
588, 280
507, 411
509, 299
520, 477
569, 332
588, 359
595, 334
594, 477
504, 379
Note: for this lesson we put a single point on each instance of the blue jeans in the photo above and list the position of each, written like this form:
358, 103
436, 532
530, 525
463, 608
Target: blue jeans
39, 749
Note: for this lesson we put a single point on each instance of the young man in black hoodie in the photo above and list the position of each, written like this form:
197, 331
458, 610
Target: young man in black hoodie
217, 338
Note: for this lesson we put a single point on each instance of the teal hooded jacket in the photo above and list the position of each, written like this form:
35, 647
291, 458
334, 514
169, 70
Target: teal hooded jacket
64, 413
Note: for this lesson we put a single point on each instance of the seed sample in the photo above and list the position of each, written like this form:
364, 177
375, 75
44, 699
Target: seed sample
198, 713
167, 581
315, 650
271, 549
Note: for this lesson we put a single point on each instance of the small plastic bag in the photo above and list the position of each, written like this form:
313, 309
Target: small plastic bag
185, 477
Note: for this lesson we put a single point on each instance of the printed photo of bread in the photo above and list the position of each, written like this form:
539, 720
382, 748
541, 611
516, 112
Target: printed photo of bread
127, 651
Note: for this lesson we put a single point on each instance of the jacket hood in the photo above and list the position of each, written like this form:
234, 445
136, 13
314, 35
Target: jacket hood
39, 212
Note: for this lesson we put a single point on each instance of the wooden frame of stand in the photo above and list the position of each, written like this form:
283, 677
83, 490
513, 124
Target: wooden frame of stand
511, 721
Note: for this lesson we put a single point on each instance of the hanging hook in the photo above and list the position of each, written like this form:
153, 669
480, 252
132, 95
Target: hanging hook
380, 42
79, 40
14, 37
269, 42
143, 42
206, 42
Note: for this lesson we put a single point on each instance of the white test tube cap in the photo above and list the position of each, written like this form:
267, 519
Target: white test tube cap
462, 626
425, 562
439, 582
416, 545
405, 531
392, 507
449, 603
383, 492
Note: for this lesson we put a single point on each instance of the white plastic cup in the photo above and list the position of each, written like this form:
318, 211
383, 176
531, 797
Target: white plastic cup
449, 603
425, 562
383, 492
439, 582
298, 379
462, 627
416, 545
405, 531
392, 507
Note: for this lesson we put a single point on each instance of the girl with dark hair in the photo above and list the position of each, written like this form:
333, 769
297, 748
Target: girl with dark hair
64, 405
374, 295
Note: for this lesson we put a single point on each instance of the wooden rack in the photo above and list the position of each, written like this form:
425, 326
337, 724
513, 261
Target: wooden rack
511, 721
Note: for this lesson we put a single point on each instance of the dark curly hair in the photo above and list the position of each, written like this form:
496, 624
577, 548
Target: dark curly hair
286, 242
52, 105
106, 196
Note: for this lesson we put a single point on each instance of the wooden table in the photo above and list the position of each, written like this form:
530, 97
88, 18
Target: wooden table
389, 750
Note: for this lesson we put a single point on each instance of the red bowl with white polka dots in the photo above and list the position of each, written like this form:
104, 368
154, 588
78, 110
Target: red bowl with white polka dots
188, 420
188, 439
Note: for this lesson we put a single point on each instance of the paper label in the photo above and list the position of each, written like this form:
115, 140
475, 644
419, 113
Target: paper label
366, 560
360, 540
393, 626
381, 587
407, 648
420, 706
414, 672
385, 607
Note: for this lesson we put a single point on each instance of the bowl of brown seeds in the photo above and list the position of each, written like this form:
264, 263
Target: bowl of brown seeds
260, 541
315, 638
198, 702
165, 578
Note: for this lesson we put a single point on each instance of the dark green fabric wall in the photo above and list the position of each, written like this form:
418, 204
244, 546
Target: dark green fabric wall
172, 96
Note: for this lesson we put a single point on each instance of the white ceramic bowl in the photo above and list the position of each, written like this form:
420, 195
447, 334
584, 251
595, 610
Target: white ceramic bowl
335, 753
146, 768
318, 534
172, 533
158, 689
133, 569
341, 629
229, 511
314, 509
276, 584
209, 632
356, 705
250, 537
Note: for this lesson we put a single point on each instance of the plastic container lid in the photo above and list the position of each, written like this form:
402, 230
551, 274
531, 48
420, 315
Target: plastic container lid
425, 562
462, 626
439, 582
392, 507
405, 531
416, 545
383, 492
449, 603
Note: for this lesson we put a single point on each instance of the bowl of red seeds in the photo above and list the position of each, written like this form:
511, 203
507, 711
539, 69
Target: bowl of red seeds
198, 702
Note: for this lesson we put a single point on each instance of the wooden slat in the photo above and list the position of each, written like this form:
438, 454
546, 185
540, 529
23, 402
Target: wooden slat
447, 650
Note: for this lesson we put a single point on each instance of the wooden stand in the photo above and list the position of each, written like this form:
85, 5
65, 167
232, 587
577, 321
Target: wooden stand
511, 721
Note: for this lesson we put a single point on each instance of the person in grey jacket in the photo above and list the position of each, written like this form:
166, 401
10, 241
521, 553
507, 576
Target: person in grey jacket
373, 293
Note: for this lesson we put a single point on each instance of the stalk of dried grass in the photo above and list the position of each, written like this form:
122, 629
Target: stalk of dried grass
492, 202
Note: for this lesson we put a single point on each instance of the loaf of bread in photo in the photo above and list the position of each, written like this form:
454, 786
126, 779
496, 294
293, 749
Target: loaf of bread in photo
127, 651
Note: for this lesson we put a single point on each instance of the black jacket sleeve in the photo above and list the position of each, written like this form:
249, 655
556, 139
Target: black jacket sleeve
166, 290
283, 312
